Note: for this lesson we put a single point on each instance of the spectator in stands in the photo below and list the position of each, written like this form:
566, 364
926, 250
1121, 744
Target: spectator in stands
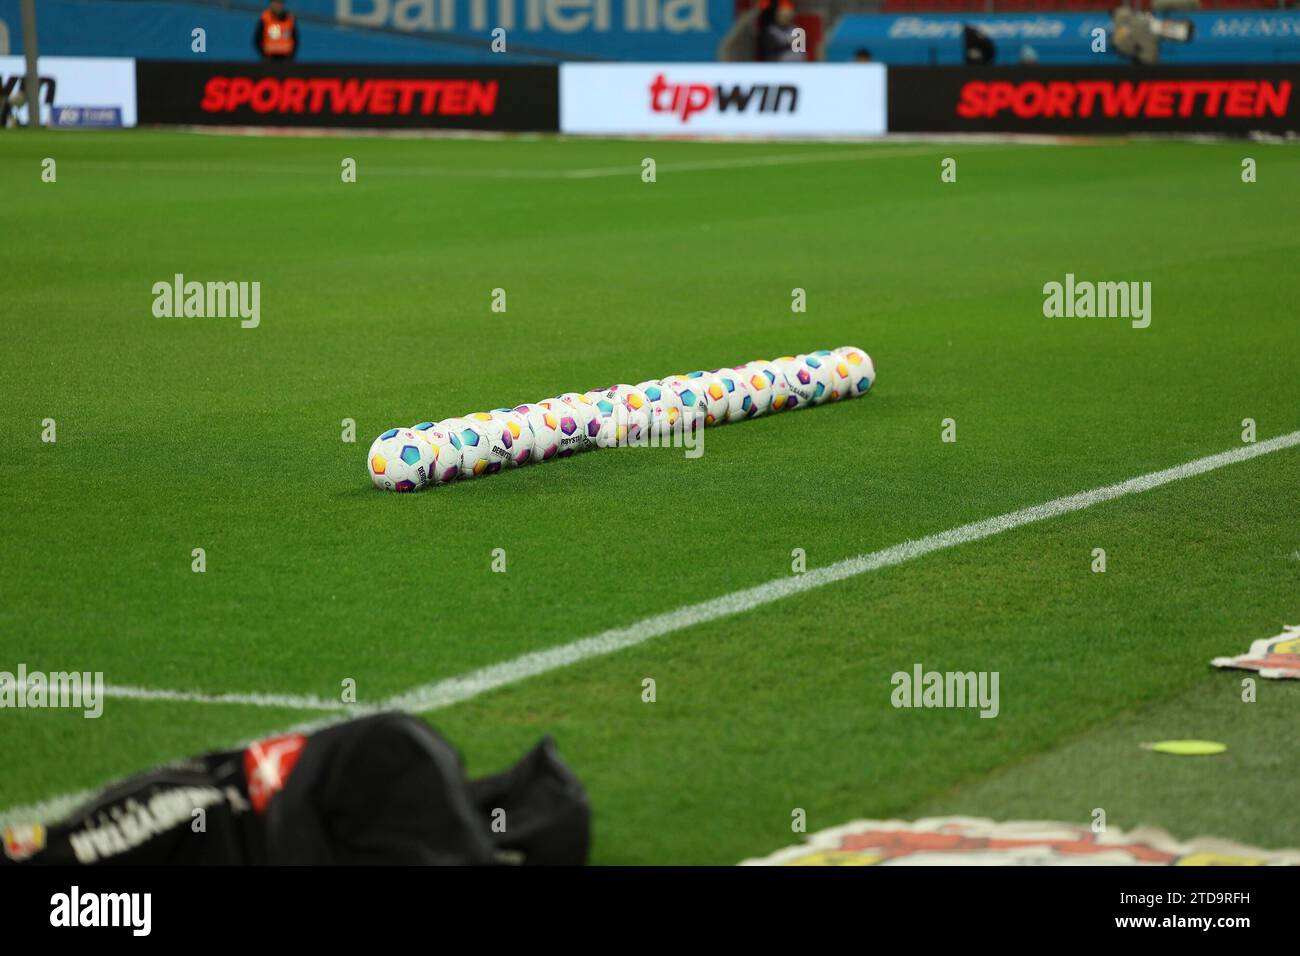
978, 45
776, 42
861, 55
276, 36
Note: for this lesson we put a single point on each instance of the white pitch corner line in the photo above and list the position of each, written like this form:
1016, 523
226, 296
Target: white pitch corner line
445, 693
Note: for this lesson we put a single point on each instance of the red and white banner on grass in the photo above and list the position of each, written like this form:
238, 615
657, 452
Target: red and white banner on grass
971, 841
1276, 657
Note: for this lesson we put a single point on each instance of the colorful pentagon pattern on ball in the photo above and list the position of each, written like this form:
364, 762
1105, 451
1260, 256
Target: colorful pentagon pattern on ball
401, 460
483, 443
576, 415
861, 370
713, 394
837, 374
689, 395
663, 407
736, 392
490, 430
511, 435
545, 427
569, 435
475, 455
807, 378
630, 414
431, 428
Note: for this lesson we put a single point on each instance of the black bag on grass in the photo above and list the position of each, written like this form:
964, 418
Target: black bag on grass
383, 789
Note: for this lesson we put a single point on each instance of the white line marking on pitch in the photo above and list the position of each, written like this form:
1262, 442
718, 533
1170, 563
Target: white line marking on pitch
453, 690
744, 162
288, 701
591, 172
444, 693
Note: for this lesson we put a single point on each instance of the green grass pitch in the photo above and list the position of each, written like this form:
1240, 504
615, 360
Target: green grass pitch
175, 434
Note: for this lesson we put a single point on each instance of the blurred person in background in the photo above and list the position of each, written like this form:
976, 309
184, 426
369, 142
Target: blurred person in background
276, 36
978, 45
9, 106
776, 33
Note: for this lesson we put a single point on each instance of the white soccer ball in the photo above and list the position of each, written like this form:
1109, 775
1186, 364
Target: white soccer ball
510, 438
665, 409
838, 373
446, 450
808, 379
579, 422
610, 417
400, 460
862, 371
475, 457
821, 363
620, 423
637, 411
545, 425
491, 429
740, 403
714, 393
690, 395
766, 385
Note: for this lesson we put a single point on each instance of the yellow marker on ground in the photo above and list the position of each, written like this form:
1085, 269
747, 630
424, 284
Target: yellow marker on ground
1188, 748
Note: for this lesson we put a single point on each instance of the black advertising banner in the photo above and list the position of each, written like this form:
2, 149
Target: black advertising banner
1100, 99
402, 96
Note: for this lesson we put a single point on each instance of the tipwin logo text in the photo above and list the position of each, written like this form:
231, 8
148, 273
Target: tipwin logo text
685, 99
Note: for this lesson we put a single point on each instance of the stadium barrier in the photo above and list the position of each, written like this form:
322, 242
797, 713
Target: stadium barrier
1160, 99
393, 96
670, 99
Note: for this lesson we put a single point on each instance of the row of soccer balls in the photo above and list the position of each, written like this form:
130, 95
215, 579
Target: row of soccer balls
408, 459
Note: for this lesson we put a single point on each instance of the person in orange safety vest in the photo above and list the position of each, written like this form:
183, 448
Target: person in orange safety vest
276, 36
